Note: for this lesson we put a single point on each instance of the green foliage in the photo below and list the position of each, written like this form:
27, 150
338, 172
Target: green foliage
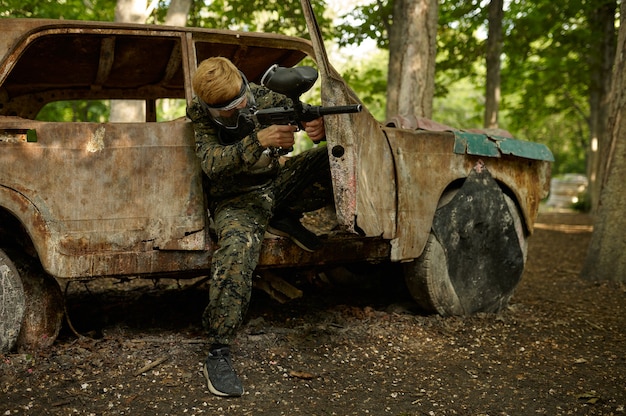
248, 15
367, 21
461, 106
460, 44
546, 75
171, 109
64, 9
271, 16
368, 79
549, 51
73, 111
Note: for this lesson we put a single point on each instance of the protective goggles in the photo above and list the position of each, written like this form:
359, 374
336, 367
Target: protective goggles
227, 113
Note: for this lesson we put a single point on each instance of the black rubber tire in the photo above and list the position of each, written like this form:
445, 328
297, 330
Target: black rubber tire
475, 253
45, 307
12, 303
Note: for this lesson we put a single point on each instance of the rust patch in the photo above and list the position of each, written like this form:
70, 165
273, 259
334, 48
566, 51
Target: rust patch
344, 248
96, 142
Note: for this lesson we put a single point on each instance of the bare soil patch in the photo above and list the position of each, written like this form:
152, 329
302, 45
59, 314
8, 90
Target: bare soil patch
558, 349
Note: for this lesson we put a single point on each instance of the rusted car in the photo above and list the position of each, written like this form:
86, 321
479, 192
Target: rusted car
451, 209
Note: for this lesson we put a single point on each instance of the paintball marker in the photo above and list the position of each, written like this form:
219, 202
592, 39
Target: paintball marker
293, 82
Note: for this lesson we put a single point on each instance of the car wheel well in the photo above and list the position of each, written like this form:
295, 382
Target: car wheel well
13, 234
450, 190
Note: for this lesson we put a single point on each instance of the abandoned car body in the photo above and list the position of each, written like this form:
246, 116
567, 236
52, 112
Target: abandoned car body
99, 199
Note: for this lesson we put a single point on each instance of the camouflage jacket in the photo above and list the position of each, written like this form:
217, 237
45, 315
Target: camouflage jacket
239, 167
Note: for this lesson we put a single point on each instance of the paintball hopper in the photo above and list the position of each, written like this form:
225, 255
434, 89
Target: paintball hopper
292, 82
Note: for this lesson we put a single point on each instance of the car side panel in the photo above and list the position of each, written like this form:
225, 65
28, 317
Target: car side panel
110, 189
426, 164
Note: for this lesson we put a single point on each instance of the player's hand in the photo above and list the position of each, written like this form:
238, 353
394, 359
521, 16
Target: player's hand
315, 129
277, 136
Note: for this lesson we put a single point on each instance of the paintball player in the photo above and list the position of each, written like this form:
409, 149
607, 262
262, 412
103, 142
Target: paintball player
250, 193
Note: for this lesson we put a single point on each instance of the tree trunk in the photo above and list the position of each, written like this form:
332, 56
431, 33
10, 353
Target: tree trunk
129, 11
177, 13
606, 257
412, 50
494, 50
138, 11
132, 11
602, 23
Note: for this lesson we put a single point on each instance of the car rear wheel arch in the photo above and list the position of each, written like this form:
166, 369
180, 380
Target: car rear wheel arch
464, 278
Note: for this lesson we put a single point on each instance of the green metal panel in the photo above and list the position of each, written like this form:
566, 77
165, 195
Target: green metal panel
474, 144
529, 150
494, 146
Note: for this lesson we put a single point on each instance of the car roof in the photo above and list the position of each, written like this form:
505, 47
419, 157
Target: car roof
45, 60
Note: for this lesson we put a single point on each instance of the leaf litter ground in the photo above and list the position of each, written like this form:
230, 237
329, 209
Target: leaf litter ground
558, 349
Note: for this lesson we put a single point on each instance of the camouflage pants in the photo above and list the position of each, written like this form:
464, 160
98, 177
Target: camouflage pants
303, 185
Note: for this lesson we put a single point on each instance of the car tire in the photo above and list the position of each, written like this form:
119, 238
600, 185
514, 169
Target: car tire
12, 304
32, 305
45, 307
475, 253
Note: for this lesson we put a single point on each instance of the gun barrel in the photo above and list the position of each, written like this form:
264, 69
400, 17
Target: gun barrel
340, 109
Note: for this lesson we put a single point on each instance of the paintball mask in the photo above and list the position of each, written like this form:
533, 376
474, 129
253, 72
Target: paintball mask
227, 114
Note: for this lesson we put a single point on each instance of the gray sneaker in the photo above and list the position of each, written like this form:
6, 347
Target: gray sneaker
221, 377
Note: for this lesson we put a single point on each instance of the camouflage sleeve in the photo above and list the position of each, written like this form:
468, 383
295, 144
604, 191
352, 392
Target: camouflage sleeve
217, 159
266, 98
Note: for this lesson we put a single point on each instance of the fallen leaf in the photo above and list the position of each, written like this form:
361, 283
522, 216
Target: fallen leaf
590, 397
301, 374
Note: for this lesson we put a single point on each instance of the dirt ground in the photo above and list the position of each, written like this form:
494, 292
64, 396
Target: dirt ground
558, 349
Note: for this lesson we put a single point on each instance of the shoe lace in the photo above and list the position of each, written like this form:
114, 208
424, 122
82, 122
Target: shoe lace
223, 356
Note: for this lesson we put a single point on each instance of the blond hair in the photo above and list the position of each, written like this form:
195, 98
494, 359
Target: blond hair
217, 80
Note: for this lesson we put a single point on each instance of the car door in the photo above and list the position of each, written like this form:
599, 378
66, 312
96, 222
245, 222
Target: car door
103, 198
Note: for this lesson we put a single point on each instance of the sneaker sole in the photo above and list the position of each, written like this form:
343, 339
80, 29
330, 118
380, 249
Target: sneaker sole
213, 389
277, 232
